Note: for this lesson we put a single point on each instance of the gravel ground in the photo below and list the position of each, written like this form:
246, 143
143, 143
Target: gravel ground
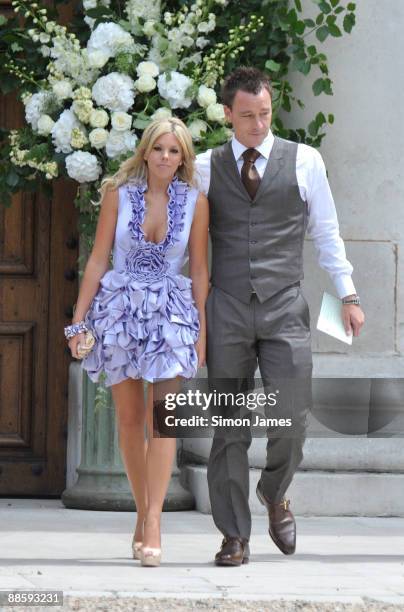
90, 604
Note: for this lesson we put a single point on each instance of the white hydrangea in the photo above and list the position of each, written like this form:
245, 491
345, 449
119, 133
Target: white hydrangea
174, 90
99, 118
34, 107
147, 68
83, 167
62, 89
98, 138
114, 91
198, 128
162, 113
121, 121
62, 131
215, 112
206, 96
145, 83
119, 143
110, 38
45, 125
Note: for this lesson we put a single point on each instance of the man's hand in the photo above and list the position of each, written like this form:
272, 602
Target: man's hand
353, 317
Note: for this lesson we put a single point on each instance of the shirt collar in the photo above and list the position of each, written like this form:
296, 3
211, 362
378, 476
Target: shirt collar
264, 148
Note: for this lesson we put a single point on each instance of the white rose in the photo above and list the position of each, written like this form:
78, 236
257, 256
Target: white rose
148, 28
206, 96
197, 128
99, 118
215, 112
82, 166
98, 138
45, 124
89, 4
62, 89
162, 113
44, 38
145, 83
149, 68
97, 59
121, 121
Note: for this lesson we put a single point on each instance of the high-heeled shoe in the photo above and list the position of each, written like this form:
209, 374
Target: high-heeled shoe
136, 548
150, 557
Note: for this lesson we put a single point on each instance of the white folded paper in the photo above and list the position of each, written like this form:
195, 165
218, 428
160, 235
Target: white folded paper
330, 319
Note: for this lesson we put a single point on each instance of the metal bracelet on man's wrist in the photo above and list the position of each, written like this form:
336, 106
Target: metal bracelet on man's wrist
352, 300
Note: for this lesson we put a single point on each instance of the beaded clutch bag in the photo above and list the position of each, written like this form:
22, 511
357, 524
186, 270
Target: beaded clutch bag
83, 349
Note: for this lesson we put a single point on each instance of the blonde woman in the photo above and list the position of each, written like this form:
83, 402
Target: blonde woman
147, 318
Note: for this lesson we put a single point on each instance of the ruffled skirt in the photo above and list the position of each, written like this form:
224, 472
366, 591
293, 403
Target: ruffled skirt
142, 330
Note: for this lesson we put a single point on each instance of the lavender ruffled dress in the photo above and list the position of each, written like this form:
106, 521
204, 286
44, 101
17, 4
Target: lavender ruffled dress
143, 316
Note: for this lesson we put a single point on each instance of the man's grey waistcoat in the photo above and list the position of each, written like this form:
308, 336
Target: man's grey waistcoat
257, 244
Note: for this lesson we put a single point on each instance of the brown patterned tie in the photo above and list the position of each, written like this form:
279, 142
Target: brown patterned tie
249, 174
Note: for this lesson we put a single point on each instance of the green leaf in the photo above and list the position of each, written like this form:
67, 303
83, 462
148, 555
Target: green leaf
334, 3
300, 27
331, 118
351, 6
310, 23
334, 30
318, 87
311, 50
3, 20
327, 89
325, 7
298, 5
272, 66
12, 178
320, 19
322, 33
313, 128
339, 10
349, 22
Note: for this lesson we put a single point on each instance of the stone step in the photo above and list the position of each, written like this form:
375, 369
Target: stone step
318, 493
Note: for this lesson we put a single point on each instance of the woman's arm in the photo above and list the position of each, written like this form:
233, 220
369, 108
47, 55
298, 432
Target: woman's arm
98, 262
198, 267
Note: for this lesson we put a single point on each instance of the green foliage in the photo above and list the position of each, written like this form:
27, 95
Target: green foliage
289, 42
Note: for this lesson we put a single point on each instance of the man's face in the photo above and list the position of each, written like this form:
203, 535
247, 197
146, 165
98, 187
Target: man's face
250, 116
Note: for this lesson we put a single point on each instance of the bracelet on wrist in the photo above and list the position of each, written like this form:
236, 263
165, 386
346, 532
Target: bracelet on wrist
74, 329
351, 300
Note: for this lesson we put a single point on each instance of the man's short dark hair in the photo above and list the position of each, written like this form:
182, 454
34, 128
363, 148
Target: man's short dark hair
246, 79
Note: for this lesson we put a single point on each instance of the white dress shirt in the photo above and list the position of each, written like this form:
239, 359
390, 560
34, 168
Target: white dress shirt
314, 189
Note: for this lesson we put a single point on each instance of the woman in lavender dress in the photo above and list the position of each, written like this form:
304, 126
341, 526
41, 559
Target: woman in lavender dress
147, 318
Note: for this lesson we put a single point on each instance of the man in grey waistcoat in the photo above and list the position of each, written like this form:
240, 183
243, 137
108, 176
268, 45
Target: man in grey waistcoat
264, 193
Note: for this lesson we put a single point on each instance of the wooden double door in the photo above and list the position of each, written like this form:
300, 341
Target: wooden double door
38, 287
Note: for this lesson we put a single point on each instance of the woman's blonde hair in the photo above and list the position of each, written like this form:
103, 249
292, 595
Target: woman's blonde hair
135, 168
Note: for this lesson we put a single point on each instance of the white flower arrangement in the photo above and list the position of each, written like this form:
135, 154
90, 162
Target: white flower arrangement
89, 111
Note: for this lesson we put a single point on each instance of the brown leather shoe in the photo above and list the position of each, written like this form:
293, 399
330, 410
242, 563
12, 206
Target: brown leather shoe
234, 551
282, 526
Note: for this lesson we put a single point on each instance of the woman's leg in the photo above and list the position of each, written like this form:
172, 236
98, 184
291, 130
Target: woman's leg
159, 462
130, 411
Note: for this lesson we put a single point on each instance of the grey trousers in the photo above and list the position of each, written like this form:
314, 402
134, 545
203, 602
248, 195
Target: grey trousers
275, 335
